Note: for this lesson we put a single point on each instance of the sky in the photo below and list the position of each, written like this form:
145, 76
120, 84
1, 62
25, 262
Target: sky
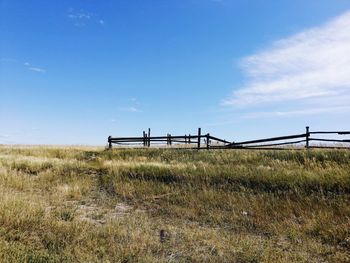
77, 71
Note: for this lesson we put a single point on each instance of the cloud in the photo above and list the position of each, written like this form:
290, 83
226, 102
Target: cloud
130, 109
292, 113
26, 64
36, 69
134, 106
311, 68
39, 70
82, 18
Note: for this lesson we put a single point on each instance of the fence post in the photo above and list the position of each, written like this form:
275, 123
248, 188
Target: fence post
144, 138
199, 138
208, 135
189, 138
168, 140
307, 137
109, 142
149, 137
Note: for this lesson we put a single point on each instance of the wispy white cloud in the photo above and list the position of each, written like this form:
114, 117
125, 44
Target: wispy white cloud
36, 69
311, 68
130, 109
39, 70
134, 106
292, 113
81, 17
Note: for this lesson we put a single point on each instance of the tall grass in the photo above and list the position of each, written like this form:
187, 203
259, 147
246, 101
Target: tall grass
69, 204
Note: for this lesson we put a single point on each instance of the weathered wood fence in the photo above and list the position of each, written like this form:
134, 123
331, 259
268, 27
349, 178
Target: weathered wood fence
206, 141
198, 141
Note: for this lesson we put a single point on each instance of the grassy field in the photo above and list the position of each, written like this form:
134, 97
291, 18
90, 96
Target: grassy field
156, 205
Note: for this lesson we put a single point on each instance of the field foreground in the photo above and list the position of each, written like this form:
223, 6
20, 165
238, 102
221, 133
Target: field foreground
93, 205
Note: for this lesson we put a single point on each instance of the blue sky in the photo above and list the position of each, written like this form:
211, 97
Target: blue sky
74, 72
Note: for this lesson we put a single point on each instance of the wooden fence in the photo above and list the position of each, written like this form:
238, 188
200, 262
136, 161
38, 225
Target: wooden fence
206, 141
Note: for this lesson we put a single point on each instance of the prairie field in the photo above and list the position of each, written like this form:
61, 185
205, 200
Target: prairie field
85, 204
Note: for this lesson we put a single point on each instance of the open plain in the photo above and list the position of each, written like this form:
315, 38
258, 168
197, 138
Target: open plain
81, 204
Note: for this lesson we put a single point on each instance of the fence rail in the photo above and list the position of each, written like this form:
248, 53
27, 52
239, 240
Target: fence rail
206, 141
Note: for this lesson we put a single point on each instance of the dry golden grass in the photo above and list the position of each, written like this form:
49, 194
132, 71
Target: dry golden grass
77, 204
